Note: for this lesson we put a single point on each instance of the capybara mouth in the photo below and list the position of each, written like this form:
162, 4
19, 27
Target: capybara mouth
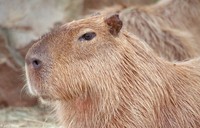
46, 98
29, 83
32, 88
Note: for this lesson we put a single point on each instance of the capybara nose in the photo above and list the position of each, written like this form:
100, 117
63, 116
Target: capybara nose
36, 57
35, 62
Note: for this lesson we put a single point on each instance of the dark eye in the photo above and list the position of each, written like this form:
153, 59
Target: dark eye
87, 36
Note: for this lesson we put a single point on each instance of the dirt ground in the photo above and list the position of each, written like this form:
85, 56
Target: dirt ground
26, 117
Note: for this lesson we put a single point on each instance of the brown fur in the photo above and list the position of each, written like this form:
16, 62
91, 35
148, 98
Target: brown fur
150, 23
113, 81
170, 27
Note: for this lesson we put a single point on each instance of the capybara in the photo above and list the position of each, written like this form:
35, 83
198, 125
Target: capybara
97, 75
170, 27
167, 26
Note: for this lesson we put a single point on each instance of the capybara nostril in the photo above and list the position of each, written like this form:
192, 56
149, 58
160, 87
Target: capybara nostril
36, 63
36, 56
33, 62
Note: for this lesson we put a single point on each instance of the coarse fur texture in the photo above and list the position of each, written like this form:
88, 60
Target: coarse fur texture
112, 81
170, 27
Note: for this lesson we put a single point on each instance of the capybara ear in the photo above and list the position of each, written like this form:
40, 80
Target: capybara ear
114, 23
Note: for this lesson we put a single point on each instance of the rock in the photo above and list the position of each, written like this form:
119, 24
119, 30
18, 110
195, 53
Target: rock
12, 82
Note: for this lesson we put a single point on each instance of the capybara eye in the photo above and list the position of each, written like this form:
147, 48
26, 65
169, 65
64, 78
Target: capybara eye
87, 36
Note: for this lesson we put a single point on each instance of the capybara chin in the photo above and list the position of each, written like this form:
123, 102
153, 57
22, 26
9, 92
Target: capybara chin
99, 76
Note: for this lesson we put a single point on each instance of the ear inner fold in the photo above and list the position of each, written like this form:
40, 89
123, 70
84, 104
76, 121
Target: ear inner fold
114, 23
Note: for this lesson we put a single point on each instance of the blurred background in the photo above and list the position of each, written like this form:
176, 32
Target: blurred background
21, 22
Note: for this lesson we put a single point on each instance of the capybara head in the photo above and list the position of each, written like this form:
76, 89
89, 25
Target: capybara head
75, 60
